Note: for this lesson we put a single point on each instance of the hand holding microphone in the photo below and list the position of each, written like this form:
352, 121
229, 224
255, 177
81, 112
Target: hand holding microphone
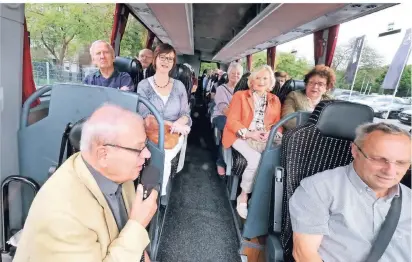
145, 203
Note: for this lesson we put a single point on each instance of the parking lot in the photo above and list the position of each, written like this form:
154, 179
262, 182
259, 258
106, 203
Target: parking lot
393, 121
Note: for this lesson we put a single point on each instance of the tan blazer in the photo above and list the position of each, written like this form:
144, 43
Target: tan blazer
298, 101
71, 221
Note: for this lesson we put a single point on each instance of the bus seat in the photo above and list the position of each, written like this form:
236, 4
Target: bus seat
76, 133
150, 71
183, 73
68, 104
242, 84
259, 210
217, 135
131, 66
289, 86
320, 144
238, 166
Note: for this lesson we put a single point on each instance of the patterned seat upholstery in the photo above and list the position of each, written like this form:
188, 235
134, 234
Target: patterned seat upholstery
239, 163
322, 143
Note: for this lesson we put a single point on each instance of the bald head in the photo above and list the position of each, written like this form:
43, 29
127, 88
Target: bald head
107, 124
145, 57
113, 142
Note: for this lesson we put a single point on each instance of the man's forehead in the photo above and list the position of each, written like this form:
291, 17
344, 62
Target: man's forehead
379, 139
146, 52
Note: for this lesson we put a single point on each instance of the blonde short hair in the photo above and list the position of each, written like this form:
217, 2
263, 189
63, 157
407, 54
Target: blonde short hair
257, 71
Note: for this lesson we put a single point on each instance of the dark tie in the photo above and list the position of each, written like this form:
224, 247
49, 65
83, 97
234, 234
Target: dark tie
121, 212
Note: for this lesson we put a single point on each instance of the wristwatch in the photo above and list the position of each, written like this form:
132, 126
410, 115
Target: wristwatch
242, 133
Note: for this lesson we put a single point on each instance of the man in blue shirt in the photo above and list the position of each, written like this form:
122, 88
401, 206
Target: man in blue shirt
102, 55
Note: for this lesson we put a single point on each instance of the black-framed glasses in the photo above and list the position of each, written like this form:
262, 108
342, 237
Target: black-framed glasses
164, 58
138, 151
320, 84
381, 161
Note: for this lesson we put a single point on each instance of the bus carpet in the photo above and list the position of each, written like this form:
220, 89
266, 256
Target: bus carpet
199, 224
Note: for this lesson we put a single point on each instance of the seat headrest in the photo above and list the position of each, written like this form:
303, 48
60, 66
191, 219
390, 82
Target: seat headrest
76, 133
298, 85
339, 119
293, 85
131, 66
223, 79
242, 84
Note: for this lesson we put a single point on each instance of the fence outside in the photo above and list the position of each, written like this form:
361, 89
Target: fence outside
47, 73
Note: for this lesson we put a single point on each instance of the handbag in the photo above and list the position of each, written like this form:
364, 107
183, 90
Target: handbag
152, 132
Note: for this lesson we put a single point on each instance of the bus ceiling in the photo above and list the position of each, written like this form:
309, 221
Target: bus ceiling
227, 32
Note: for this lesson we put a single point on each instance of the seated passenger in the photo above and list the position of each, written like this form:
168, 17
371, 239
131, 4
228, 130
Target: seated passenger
169, 96
336, 215
102, 55
281, 77
223, 97
146, 58
89, 209
317, 84
250, 116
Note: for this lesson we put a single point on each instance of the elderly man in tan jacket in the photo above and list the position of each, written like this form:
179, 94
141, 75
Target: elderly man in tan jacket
88, 210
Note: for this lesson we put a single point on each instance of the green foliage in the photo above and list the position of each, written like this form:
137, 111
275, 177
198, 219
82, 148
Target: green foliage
133, 39
259, 59
62, 29
295, 67
206, 65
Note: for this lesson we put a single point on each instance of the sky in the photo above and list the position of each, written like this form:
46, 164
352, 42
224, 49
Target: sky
371, 26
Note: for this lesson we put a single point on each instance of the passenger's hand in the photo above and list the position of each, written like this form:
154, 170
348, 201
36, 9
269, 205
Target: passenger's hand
255, 135
264, 136
125, 88
143, 210
180, 128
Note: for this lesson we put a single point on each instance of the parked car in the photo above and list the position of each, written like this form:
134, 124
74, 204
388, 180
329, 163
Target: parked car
385, 106
405, 116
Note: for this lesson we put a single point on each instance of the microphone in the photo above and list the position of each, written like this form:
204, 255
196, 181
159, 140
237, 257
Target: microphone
150, 180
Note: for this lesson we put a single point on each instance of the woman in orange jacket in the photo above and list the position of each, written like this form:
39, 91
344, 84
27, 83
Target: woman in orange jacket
250, 116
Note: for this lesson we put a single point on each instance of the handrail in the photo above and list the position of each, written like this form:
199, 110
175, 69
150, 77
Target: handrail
281, 122
26, 110
4, 202
159, 118
24, 119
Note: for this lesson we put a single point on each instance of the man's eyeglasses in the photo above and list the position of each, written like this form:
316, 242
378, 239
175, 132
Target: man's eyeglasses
164, 58
320, 84
381, 161
138, 151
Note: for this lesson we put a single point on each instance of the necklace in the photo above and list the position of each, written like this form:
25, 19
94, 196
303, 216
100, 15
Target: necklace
154, 80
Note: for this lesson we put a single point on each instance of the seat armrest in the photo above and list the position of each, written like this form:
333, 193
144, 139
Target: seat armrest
217, 135
227, 157
277, 199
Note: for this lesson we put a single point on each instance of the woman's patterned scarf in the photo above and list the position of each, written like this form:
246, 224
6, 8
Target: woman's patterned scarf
260, 108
